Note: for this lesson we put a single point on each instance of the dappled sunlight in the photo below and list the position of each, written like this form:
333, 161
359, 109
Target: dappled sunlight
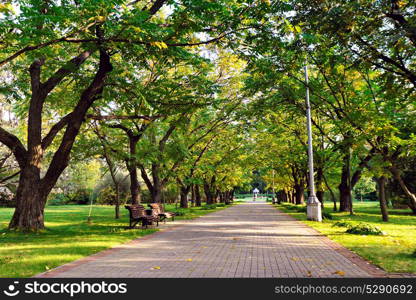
228, 241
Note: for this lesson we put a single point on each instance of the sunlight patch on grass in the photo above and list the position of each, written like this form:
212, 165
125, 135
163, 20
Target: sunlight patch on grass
392, 252
68, 237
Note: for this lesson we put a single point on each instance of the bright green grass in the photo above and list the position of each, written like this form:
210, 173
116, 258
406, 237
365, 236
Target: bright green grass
392, 252
68, 237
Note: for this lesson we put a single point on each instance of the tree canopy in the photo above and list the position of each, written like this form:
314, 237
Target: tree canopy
192, 99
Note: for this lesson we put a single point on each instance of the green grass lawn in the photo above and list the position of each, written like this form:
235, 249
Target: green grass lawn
392, 252
68, 237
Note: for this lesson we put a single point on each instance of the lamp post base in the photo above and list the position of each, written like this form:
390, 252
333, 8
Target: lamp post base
313, 209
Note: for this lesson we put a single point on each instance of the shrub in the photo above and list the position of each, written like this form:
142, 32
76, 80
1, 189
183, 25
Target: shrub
341, 223
300, 209
296, 207
209, 206
81, 196
290, 206
179, 211
108, 196
58, 199
364, 229
220, 205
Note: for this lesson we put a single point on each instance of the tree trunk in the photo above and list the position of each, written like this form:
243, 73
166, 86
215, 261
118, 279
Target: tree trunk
299, 194
157, 193
184, 196
208, 193
345, 199
192, 195
30, 203
382, 198
117, 204
410, 196
319, 185
134, 186
197, 196
32, 191
334, 200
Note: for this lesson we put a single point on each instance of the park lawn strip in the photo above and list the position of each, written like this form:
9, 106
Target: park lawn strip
392, 252
68, 237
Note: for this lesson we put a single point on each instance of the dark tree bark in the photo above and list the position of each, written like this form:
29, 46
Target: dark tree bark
198, 200
345, 199
319, 184
299, 194
33, 190
184, 196
209, 194
382, 198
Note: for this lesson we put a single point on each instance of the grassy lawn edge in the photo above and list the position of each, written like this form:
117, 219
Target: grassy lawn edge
393, 252
69, 237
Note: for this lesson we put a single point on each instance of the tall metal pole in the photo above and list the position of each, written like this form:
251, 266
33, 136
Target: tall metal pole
313, 204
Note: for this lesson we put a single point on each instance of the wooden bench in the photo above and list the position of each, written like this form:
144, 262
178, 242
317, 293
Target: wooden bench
138, 214
159, 210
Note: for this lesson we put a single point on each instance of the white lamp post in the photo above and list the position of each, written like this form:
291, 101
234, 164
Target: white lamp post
313, 208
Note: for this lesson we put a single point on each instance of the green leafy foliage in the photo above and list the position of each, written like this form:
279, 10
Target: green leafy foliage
364, 229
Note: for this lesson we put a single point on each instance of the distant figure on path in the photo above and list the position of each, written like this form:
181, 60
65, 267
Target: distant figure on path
255, 193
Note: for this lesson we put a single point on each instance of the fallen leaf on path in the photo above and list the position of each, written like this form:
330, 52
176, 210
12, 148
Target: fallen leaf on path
340, 273
156, 268
189, 259
309, 273
294, 258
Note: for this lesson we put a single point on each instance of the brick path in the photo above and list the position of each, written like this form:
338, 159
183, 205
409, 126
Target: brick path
246, 240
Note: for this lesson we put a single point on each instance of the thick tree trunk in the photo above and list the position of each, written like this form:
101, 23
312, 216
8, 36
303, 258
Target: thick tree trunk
30, 203
32, 191
299, 194
382, 198
198, 200
221, 196
157, 193
208, 193
134, 186
292, 196
184, 196
345, 198
157, 184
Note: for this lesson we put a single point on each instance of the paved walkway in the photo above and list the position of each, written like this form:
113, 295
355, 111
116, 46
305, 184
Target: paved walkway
246, 240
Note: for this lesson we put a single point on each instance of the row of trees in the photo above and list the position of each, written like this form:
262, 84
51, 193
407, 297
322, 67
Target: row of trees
362, 58
200, 93
132, 72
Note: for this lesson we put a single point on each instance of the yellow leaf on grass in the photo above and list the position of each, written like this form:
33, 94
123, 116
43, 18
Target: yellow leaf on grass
340, 273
